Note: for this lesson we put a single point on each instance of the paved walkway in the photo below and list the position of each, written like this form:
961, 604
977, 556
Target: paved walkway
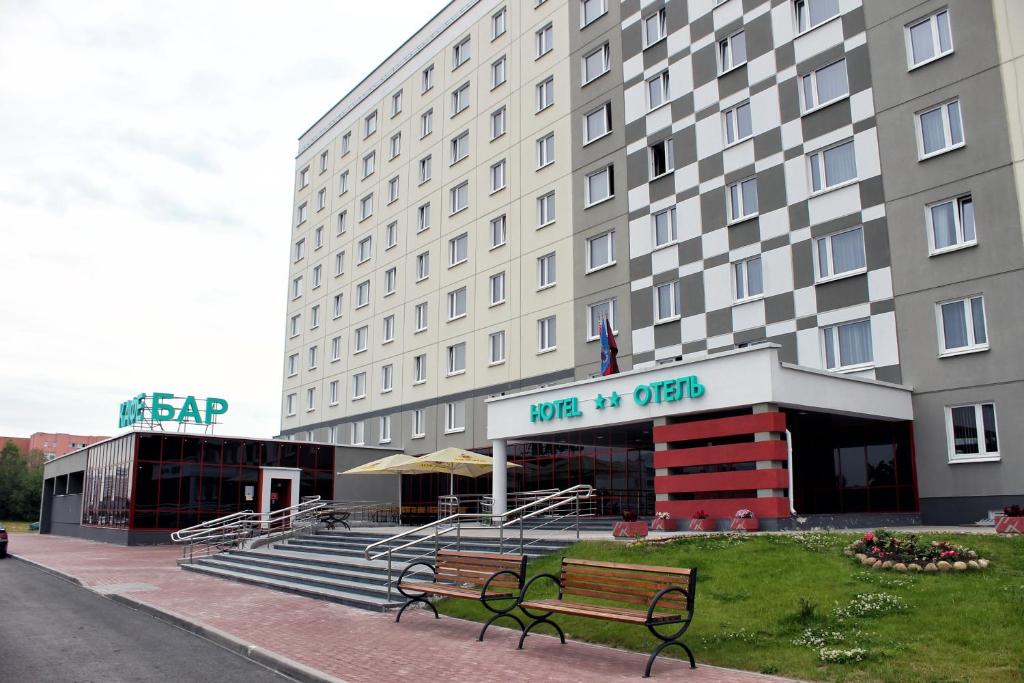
339, 641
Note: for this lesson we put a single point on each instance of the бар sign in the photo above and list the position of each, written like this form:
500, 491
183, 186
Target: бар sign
162, 410
663, 391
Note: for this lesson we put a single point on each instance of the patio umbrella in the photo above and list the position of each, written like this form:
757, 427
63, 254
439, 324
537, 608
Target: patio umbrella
450, 461
383, 465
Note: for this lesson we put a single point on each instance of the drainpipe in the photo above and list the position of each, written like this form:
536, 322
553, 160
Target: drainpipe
789, 465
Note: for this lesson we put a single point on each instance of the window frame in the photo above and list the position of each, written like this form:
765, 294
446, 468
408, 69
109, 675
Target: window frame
500, 64
606, 63
947, 129
387, 378
456, 144
731, 117
970, 322
746, 215
741, 271
547, 332
728, 44
810, 27
662, 18
422, 266
542, 146
497, 220
451, 354
498, 115
933, 20
819, 154
460, 99
588, 200
453, 304
500, 280
543, 100
420, 313
499, 23
673, 228
544, 270
453, 249
385, 429
451, 413
358, 379
332, 393
361, 289
419, 424
832, 274
583, 12
958, 221
419, 369
592, 334
453, 194
544, 40
983, 454
666, 90
840, 367
606, 110
542, 203
813, 75
498, 176
461, 52
676, 303
363, 332
668, 146
588, 242
498, 335
370, 120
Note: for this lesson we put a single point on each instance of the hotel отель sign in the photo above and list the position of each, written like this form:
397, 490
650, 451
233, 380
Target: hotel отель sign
161, 409
663, 391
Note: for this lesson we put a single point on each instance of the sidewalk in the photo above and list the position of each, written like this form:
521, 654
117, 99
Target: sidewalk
313, 640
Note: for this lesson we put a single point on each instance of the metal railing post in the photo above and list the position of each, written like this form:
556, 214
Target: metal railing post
389, 573
577, 516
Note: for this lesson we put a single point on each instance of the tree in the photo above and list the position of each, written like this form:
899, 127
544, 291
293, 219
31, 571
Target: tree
21, 483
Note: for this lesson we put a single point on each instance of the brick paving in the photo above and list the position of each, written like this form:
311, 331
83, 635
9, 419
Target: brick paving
341, 641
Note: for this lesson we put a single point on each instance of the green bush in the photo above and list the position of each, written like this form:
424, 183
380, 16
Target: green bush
21, 484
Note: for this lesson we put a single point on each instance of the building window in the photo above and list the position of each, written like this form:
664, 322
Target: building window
738, 124
971, 432
499, 21
496, 346
598, 186
391, 235
310, 399
601, 251
833, 166
289, 405
385, 429
546, 274
342, 222
304, 178
962, 325
314, 357
545, 209
369, 164
358, 433
497, 123
811, 13
661, 157
426, 123
422, 217
460, 99
419, 424
335, 349
419, 369
951, 224
317, 277
390, 281
314, 316
370, 124
302, 213
396, 146
546, 150
422, 266
366, 207
362, 339
592, 10
393, 189
346, 143
460, 147
732, 52
596, 315
364, 250
748, 278
293, 365
848, 346
387, 378
929, 39
318, 237
295, 325
498, 72
655, 28
458, 197
363, 294
396, 104
458, 249
457, 304
427, 78
597, 123
497, 231
546, 335
497, 288
742, 200
824, 86
666, 302
420, 317
323, 161
497, 176
839, 254
338, 307
658, 90
939, 129
460, 53
545, 93
545, 40
665, 230
455, 417
300, 250
297, 287
321, 199
596, 63
457, 359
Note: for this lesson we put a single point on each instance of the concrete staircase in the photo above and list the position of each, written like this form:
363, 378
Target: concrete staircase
329, 565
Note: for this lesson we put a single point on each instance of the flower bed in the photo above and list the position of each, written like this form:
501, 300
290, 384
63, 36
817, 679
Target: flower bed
905, 553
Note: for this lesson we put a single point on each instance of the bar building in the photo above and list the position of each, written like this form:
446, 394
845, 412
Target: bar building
812, 206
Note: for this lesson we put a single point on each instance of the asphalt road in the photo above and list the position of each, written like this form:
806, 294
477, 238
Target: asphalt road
52, 630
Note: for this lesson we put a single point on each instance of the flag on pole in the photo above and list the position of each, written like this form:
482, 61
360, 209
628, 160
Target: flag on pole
609, 350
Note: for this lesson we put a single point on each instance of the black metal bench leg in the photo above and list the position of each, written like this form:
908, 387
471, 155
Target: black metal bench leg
535, 622
657, 651
495, 618
426, 602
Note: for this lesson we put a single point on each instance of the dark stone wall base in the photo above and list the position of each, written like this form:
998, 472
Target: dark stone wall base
964, 509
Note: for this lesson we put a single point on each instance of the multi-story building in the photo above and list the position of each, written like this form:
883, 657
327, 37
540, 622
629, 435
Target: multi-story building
52, 445
837, 180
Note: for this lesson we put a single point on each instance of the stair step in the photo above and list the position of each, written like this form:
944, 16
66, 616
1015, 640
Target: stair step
378, 590
338, 572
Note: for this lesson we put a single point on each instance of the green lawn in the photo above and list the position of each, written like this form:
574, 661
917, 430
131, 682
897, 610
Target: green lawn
15, 527
755, 596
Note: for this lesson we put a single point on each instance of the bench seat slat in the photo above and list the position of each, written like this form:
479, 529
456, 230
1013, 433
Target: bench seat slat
621, 614
675, 571
632, 583
453, 591
618, 597
627, 577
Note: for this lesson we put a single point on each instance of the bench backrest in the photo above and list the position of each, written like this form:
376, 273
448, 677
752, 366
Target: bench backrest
463, 567
629, 583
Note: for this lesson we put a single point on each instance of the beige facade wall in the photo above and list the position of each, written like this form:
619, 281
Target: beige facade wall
1009, 21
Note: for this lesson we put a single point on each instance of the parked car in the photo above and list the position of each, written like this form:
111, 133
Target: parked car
3, 542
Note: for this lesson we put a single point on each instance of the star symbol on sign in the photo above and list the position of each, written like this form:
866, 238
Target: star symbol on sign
599, 401
614, 399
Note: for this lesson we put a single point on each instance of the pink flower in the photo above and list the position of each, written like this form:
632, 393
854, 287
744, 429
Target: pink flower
869, 537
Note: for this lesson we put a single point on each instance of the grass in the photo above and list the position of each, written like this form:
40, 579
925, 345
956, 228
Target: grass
785, 604
16, 527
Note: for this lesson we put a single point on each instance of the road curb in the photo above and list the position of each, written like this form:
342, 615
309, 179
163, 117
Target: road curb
271, 660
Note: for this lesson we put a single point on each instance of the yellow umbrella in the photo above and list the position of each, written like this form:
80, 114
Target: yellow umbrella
384, 465
450, 461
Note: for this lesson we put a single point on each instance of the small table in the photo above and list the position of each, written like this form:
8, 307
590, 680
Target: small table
332, 517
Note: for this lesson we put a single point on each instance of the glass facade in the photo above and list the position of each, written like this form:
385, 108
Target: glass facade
106, 499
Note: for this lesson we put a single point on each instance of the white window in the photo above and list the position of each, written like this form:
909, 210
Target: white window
662, 158
737, 123
455, 417
962, 325
546, 274
297, 287
310, 399
601, 251
364, 250
848, 345
811, 13
369, 164
318, 237
497, 176
363, 294
317, 278
460, 99
939, 129
497, 231
422, 217
748, 278
393, 189
314, 357
460, 53
596, 315
666, 302
420, 317
370, 124
362, 339
343, 183
497, 123
546, 150
655, 27
293, 365
596, 63
333, 392
929, 39
971, 432
458, 197
426, 123
396, 103
385, 429
591, 10
547, 339
497, 288
295, 325
499, 21
390, 281
358, 433
545, 38
658, 90
304, 178
302, 213
458, 249
545, 209
427, 78
496, 346
498, 72
840, 253
824, 86
300, 250
422, 266
396, 145
597, 123
833, 166
289, 405
598, 186
742, 200
321, 199
342, 222
338, 307
335, 349
732, 52
457, 303
419, 424
664, 224
346, 143
545, 93
366, 207
391, 235
951, 224
457, 359
460, 147
419, 369
387, 378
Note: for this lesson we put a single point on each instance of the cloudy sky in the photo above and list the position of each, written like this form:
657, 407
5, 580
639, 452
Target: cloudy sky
146, 173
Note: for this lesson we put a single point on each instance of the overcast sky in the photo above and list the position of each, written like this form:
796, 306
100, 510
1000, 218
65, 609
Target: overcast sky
146, 175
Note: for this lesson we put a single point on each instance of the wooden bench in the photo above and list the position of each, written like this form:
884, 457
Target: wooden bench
606, 590
487, 577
